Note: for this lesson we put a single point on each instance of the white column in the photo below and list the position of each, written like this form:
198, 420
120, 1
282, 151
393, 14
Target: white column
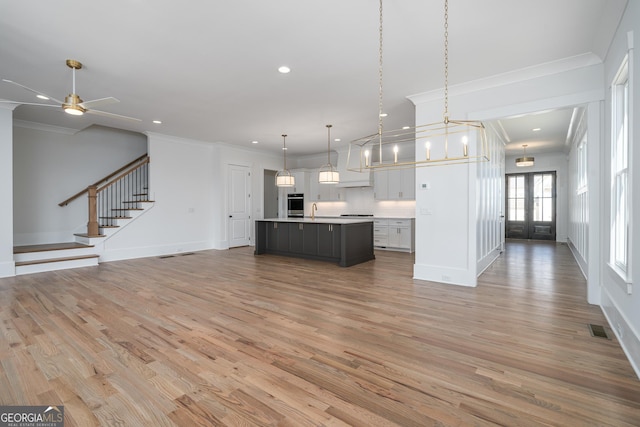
7, 265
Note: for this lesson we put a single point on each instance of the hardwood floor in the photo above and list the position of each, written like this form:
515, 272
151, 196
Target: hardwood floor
232, 339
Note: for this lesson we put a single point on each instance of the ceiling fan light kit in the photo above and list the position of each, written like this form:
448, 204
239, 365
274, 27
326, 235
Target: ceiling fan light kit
73, 104
445, 143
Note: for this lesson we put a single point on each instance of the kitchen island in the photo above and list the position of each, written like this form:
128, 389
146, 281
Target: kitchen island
345, 241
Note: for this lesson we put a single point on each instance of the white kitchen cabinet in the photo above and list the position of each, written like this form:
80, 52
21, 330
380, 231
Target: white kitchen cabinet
381, 185
300, 177
397, 184
380, 232
323, 192
394, 234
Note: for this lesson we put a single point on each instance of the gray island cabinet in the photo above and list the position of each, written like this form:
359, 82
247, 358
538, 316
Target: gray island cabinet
345, 241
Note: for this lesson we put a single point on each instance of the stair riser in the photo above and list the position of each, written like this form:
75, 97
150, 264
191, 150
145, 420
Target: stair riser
52, 266
62, 253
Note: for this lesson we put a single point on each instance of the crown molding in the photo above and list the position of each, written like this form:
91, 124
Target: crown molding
510, 77
47, 128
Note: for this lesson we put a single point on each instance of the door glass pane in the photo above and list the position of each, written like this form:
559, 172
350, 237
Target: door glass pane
547, 214
543, 197
516, 195
519, 210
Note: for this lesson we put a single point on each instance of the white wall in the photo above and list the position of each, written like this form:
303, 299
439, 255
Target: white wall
7, 266
578, 196
444, 237
188, 181
52, 164
548, 162
490, 203
620, 300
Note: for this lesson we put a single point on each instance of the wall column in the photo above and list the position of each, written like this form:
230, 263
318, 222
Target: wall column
7, 265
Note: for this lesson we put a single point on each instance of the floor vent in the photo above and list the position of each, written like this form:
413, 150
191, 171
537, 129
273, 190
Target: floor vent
598, 331
166, 256
187, 253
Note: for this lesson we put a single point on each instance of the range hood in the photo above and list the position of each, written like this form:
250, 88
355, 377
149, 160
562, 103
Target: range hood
350, 178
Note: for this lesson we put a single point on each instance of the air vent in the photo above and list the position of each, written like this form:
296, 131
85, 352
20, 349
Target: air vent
598, 331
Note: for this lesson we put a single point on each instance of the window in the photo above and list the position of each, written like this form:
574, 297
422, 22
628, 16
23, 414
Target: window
619, 169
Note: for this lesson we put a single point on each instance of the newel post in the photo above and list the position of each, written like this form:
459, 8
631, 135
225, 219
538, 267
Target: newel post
93, 229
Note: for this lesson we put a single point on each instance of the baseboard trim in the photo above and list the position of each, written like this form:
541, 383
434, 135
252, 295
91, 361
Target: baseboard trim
625, 333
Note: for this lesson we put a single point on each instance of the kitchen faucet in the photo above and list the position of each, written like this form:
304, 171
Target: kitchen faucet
314, 208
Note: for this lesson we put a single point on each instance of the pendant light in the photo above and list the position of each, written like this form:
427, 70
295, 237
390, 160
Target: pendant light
446, 142
328, 174
524, 161
284, 177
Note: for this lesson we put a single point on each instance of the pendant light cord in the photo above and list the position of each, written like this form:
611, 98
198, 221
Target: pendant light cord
446, 61
380, 111
329, 146
284, 151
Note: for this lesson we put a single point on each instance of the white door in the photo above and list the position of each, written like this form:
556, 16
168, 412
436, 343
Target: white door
239, 206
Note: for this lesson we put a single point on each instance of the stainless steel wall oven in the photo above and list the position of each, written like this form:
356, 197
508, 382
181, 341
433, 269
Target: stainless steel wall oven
295, 205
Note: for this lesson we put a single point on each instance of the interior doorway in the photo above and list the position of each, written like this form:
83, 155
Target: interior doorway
531, 206
270, 195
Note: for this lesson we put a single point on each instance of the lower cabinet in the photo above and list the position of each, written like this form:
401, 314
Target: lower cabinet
320, 240
329, 240
296, 237
348, 243
394, 234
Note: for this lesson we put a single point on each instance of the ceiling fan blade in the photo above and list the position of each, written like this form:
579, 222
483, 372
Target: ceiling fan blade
115, 116
6, 101
32, 90
99, 102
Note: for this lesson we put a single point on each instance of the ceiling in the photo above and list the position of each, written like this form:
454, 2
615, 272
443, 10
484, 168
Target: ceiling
208, 69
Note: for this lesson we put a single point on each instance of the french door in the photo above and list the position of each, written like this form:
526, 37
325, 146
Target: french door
531, 206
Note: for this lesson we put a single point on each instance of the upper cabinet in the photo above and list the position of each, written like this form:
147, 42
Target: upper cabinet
300, 177
323, 192
397, 184
301, 182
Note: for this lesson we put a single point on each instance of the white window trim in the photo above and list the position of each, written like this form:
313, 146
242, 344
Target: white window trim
624, 272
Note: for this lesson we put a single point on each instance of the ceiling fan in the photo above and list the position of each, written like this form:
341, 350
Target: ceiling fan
72, 103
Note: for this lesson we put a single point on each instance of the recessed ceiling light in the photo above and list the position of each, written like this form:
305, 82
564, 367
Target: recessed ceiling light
406, 127
383, 114
254, 142
337, 140
284, 148
536, 129
284, 69
42, 97
158, 122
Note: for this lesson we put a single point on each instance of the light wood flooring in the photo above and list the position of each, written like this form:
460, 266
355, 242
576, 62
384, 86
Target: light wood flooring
226, 338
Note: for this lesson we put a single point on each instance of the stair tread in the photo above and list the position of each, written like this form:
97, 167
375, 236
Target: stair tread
49, 247
127, 209
115, 217
109, 226
138, 201
50, 260
86, 235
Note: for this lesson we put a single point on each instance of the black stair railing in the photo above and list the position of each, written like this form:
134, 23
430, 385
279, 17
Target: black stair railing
122, 194
111, 197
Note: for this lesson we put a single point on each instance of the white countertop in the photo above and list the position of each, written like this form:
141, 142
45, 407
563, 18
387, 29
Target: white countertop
318, 220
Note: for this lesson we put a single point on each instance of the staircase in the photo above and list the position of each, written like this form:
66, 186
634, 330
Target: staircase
114, 202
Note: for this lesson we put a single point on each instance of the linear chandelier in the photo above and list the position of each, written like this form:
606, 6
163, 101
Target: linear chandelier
447, 142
